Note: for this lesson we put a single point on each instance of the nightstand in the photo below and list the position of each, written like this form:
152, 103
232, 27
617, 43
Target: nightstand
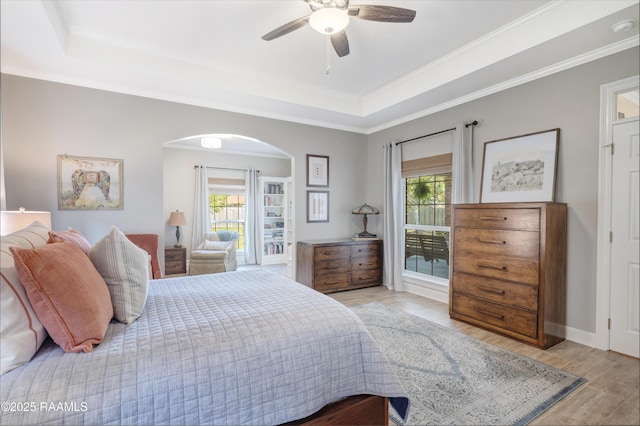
175, 260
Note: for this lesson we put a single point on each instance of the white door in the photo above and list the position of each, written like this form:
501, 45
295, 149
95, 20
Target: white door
625, 227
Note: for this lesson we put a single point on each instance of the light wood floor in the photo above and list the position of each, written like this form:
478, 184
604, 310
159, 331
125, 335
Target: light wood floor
611, 395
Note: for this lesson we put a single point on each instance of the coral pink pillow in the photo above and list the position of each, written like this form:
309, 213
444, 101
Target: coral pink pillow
70, 235
67, 293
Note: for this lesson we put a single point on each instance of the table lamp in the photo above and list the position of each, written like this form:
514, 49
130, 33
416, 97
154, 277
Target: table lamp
12, 221
177, 219
365, 209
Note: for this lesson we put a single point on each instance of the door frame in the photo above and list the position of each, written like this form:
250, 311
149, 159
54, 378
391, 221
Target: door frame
608, 99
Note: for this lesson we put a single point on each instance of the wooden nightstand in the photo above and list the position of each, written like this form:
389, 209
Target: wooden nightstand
175, 260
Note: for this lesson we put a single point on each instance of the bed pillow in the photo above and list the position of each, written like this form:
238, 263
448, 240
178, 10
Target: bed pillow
67, 293
21, 332
125, 268
70, 235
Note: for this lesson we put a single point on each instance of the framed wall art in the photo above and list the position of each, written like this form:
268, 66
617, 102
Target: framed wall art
317, 206
86, 183
520, 169
317, 170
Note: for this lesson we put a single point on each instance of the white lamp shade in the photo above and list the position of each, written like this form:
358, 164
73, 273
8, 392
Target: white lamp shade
11, 221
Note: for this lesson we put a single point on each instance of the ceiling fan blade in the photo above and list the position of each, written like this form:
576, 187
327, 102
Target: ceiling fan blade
286, 28
378, 13
340, 43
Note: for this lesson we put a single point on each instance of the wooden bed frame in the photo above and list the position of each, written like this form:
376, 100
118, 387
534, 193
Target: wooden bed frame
356, 410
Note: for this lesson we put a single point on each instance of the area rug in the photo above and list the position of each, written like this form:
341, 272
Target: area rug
452, 378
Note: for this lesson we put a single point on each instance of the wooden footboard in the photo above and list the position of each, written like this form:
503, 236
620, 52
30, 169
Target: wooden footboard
355, 410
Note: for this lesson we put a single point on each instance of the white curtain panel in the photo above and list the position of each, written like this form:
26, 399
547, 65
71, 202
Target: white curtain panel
252, 252
392, 216
3, 196
201, 221
462, 191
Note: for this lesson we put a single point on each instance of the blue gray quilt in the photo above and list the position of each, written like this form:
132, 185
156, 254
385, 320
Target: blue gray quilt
246, 347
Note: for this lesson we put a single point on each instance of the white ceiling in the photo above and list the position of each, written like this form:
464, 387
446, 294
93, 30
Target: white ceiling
210, 53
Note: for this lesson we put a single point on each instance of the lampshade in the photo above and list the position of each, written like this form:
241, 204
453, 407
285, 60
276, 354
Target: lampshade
329, 20
365, 209
177, 219
12, 221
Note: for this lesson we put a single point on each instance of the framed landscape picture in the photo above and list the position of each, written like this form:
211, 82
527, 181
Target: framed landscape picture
520, 169
86, 183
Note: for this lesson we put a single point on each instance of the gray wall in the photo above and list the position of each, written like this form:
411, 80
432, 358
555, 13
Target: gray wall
43, 119
569, 100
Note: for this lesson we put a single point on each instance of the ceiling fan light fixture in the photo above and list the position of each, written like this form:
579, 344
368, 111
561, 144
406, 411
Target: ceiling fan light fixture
211, 143
329, 20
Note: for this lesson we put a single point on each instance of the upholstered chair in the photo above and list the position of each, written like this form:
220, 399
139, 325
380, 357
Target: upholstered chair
217, 253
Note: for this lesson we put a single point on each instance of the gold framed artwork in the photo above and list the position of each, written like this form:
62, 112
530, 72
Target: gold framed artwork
86, 183
521, 168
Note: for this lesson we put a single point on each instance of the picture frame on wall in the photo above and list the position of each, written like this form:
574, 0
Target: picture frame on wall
317, 206
317, 170
521, 168
87, 183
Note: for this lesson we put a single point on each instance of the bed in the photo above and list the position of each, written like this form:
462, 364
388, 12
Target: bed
244, 347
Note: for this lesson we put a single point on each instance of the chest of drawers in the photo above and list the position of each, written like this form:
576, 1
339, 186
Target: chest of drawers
175, 261
509, 269
331, 266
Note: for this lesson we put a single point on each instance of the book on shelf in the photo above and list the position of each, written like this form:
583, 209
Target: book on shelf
359, 237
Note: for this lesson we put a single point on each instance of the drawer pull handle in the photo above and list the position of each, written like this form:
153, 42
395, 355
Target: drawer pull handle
493, 291
332, 282
491, 314
491, 241
493, 218
497, 268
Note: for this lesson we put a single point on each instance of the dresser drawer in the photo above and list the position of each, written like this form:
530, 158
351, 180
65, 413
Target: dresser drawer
365, 277
364, 263
365, 250
498, 218
324, 267
504, 268
174, 255
499, 242
331, 252
504, 317
518, 295
331, 282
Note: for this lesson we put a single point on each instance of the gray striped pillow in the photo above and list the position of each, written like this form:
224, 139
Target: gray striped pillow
125, 268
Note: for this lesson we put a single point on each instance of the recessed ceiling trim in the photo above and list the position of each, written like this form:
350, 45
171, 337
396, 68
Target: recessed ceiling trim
543, 72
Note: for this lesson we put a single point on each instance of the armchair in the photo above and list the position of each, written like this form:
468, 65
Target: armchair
217, 253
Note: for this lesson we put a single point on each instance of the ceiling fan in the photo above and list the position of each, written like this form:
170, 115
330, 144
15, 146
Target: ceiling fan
331, 17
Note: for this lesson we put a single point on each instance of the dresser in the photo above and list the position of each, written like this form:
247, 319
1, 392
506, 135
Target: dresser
175, 260
338, 265
509, 269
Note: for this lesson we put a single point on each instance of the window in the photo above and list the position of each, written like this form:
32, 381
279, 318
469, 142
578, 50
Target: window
226, 207
427, 224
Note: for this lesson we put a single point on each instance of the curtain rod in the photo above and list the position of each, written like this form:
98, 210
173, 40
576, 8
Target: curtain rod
473, 123
224, 168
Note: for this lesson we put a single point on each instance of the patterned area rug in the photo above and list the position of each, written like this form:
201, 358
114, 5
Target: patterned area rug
452, 378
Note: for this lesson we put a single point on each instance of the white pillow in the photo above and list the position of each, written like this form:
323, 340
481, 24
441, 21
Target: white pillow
214, 245
21, 332
125, 268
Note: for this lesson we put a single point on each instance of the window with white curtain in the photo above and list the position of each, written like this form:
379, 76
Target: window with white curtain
427, 184
227, 206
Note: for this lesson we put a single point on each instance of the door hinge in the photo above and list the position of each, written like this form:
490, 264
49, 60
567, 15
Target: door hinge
612, 145
609, 324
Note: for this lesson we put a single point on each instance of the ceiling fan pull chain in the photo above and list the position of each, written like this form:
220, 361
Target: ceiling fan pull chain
328, 56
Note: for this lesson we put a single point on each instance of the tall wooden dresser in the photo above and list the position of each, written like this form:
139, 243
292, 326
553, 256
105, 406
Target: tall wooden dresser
337, 265
508, 272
